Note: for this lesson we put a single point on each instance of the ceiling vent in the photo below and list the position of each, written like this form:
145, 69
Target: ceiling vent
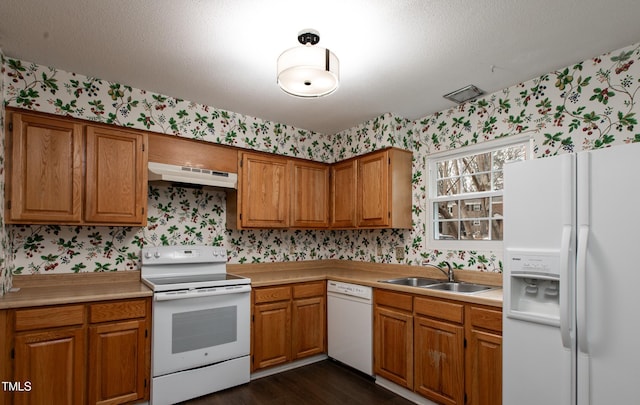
464, 94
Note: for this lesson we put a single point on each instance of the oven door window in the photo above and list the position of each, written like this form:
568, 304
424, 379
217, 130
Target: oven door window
203, 328
194, 332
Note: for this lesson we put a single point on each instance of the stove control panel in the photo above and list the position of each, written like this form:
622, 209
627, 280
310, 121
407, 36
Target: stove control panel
183, 254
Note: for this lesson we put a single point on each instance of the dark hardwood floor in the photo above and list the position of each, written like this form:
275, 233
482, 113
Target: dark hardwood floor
322, 383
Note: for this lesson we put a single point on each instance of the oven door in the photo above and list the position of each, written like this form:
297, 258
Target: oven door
200, 327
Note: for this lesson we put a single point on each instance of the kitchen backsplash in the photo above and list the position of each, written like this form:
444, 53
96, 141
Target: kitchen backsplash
587, 105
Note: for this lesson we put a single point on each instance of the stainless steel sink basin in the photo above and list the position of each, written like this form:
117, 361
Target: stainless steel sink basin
463, 288
412, 281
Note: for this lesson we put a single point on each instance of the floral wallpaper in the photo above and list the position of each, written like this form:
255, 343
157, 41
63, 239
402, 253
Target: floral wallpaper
587, 105
5, 252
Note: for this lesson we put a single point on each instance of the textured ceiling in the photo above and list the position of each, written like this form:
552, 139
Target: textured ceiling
396, 56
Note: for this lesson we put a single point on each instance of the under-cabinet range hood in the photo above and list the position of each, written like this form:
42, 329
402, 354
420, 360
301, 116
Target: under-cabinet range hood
192, 175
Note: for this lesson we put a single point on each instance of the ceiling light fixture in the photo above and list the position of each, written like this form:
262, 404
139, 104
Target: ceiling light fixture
308, 70
464, 94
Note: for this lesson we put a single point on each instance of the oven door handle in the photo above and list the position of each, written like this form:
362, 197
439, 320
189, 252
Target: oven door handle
201, 292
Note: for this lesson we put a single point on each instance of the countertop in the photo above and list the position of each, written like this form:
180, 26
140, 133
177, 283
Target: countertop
57, 289
369, 274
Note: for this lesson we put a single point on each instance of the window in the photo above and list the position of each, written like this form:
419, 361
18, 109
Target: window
465, 192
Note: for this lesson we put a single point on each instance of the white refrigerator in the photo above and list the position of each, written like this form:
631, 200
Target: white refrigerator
571, 321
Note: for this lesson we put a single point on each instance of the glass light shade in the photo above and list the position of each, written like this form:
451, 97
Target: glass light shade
308, 71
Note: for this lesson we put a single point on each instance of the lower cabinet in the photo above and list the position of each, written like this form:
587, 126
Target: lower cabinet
50, 351
483, 371
117, 355
289, 323
271, 337
439, 350
52, 362
447, 351
308, 320
393, 337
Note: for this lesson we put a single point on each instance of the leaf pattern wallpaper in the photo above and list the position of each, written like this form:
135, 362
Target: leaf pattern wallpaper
5, 251
587, 105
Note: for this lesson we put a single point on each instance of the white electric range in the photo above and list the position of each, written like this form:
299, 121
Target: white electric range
201, 322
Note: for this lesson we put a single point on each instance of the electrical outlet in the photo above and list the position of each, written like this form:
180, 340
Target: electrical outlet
292, 249
379, 250
399, 253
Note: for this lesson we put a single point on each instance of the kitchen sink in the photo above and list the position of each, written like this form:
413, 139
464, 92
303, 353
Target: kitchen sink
463, 288
412, 281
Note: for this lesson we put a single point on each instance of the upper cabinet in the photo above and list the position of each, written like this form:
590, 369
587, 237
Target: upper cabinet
380, 190
263, 191
48, 184
277, 192
370, 191
44, 169
309, 194
343, 194
116, 179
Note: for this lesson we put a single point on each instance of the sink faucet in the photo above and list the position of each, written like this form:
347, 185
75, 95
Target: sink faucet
448, 272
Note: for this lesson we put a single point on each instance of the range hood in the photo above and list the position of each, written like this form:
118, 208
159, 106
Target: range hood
191, 175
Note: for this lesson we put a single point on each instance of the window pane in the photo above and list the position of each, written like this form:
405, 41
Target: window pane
476, 182
498, 180
449, 186
474, 208
446, 230
496, 207
474, 229
476, 163
446, 210
510, 154
443, 169
496, 229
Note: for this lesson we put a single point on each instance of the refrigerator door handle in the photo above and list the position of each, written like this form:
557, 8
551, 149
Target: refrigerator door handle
565, 285
581, 288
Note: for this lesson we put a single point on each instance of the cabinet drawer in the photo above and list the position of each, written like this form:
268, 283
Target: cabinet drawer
449, 311
486, 318
119, 310
393, 299
271, 294
306, 290
49, 317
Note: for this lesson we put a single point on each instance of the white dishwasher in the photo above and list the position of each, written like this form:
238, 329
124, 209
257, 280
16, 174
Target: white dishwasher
350, 325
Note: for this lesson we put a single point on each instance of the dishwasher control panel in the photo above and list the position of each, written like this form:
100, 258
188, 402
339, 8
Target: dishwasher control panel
354, 290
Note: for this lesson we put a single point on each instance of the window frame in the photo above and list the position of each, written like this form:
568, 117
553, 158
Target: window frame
431, 164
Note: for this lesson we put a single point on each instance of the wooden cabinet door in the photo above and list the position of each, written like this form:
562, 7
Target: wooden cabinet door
310, 195
343, 194
308, 326
116, 177
373, 190
54, 363
393, 346
271, 334
117, 362
264, 191
485, 371
439, 360
45, 168
484, 356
